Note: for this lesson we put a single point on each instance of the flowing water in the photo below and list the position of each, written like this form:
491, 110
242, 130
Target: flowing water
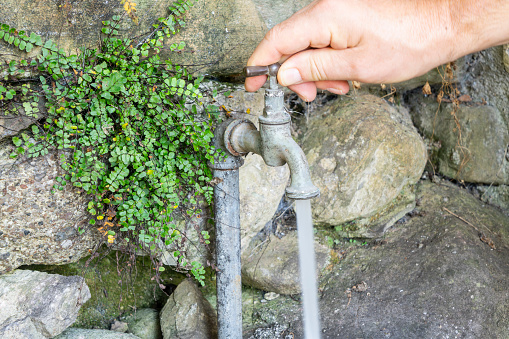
307, 265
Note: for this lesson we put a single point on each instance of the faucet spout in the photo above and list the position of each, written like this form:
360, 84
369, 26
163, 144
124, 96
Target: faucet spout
301, 186
276, 146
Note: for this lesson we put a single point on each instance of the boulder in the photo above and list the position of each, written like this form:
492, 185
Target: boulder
73, 25
364, 155
39, 305
273, 265
220, 35
506, 57
495, 195
473, 138
487, 79
36, 225
188, 315
440, 272
145, 324
80, 333
274, 12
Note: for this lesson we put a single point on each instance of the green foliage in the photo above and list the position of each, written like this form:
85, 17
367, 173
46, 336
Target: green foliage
130, 129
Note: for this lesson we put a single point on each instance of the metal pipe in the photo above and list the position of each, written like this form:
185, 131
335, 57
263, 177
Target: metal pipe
276, 146
227, 219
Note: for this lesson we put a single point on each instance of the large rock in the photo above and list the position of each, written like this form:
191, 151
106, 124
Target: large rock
486, 79
495, 195
506, 57
73, 25
273, 265
188, 315
39, 305
37, 226
474, 138
363, 155
79, 333
434, 275
220, 35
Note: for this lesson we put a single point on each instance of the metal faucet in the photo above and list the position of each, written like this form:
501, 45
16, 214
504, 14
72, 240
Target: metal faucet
273, 142
277, 147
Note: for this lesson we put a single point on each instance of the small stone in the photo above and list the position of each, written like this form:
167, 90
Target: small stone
119, 326
271, 296
187, 314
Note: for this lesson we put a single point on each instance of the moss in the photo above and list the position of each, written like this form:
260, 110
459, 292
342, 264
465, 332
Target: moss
114, 295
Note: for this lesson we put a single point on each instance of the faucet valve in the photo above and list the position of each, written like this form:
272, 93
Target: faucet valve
270, 70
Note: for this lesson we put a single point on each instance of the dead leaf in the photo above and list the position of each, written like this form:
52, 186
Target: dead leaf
426, 90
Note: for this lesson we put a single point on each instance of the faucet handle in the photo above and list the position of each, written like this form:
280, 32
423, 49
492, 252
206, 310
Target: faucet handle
270, 70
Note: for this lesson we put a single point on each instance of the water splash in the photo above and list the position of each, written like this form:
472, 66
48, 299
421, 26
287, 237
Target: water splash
307, 265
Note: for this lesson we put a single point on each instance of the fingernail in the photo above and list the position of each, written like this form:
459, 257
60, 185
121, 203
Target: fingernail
336, 91
290, 77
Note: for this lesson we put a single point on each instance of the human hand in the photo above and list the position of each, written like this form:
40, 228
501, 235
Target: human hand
332, 41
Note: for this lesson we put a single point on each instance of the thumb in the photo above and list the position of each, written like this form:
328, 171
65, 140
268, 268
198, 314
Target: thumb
320, 65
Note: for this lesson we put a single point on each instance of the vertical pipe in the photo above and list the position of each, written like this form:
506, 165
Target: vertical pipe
228, 278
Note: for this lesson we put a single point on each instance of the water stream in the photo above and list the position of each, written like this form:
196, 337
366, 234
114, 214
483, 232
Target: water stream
307, 263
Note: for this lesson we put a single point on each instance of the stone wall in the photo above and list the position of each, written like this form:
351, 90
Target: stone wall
366, 153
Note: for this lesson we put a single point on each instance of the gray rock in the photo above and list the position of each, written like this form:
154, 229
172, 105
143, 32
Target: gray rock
273, 265
219, 34
75, 25
119, 326
188, 315
486, 79
363, 156
145, 324
431, 276
39, 305
274, 12
506, 57
474, 144
37, 226
79, 333
495, 195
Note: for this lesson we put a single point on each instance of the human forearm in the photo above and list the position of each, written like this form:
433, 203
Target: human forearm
479, 24
376, 41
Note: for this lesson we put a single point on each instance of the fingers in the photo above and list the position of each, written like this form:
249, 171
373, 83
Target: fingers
254, 83
337, 87
323, 64
307, 90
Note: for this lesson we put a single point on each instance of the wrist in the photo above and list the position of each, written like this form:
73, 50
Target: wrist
477, 25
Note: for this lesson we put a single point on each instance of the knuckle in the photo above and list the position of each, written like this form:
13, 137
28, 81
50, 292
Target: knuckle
317, 69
